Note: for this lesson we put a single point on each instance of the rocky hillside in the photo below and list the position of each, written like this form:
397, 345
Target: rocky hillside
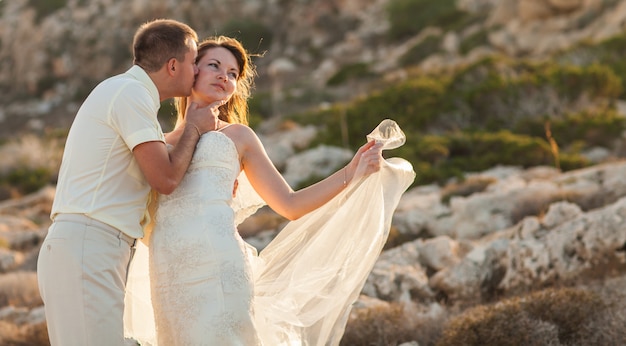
545, 244
548, 246
54, 52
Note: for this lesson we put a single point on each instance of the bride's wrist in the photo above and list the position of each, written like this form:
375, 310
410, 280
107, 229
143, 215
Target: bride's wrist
348, 174
194, 127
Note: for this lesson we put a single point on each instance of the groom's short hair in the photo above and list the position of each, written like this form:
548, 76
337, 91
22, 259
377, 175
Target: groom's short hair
160, 40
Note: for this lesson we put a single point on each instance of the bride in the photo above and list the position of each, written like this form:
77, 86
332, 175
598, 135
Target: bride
199, 283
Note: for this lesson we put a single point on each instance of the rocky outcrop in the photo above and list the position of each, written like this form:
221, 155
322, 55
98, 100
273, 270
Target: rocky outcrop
471, 249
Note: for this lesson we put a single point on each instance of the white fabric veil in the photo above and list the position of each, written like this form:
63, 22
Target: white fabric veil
308, 277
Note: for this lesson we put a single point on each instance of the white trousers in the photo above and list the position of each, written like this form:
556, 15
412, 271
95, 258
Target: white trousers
82, 270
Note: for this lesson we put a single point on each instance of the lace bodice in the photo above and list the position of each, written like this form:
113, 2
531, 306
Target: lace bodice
209, 180
201, 280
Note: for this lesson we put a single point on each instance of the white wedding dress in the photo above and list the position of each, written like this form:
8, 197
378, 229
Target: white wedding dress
200, 283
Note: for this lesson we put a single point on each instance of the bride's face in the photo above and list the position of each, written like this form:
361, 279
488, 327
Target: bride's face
217, 76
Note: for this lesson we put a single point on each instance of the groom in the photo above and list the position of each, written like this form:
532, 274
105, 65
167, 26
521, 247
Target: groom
114, 155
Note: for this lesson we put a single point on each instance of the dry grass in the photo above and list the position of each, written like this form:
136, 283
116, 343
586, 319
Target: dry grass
19, 289
538, 205
466, 188
592, 314
31, 151
555, 316
24, 335
390, 324
27, 163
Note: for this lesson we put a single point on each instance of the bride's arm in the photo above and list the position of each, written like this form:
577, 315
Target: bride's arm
275, 191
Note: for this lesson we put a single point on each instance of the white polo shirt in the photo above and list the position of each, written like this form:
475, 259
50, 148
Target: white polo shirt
99, 176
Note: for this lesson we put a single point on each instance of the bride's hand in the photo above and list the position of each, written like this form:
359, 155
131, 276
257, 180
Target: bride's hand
366, 161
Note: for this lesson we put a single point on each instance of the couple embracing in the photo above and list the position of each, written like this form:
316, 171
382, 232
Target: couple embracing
205, 285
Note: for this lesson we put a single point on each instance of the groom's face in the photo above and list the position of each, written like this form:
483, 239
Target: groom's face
188, 70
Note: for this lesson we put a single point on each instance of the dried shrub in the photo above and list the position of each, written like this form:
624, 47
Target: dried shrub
465, 188
409, 17
390, 324
19, 289
397, 238
428, 46
28, 163
477, 39
536, 205
36, 334
550, 317
348, 72
23, 335
45, 8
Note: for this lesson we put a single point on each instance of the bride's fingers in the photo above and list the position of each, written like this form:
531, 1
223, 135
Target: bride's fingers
370, 157
365, 147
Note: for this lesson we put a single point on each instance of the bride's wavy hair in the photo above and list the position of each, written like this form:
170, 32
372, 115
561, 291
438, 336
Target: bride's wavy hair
236, 109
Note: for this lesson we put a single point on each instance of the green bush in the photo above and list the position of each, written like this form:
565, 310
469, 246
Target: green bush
167, 115
472, 152
351, 71
409, 17
589, 128
488, 113
466, 187
492, 94
253, 35
45, 8
259, 108
498, 93
430, 45
574, 81
27, 180
608, 53
412, 104
477, 39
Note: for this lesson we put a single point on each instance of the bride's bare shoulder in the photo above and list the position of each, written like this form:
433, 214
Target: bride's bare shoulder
241, 132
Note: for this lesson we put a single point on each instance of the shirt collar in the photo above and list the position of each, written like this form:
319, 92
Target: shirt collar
140, 74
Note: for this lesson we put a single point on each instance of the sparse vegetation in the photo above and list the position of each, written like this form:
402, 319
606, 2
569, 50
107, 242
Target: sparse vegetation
17, 334
167, 115
27, 180
489, 113
430, 45
477, 39
409, 17
253, 35
549, 317
607, 53
466, 187
390, 324
453, 121
45, 8
351, 71
29, 163
19, 289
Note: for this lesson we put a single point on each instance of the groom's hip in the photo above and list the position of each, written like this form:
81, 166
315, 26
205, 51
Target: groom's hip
82, 269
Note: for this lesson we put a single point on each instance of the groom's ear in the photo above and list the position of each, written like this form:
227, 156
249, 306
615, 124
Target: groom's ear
171, 66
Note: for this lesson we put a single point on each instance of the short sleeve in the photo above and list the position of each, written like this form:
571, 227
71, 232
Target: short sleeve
134, 115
